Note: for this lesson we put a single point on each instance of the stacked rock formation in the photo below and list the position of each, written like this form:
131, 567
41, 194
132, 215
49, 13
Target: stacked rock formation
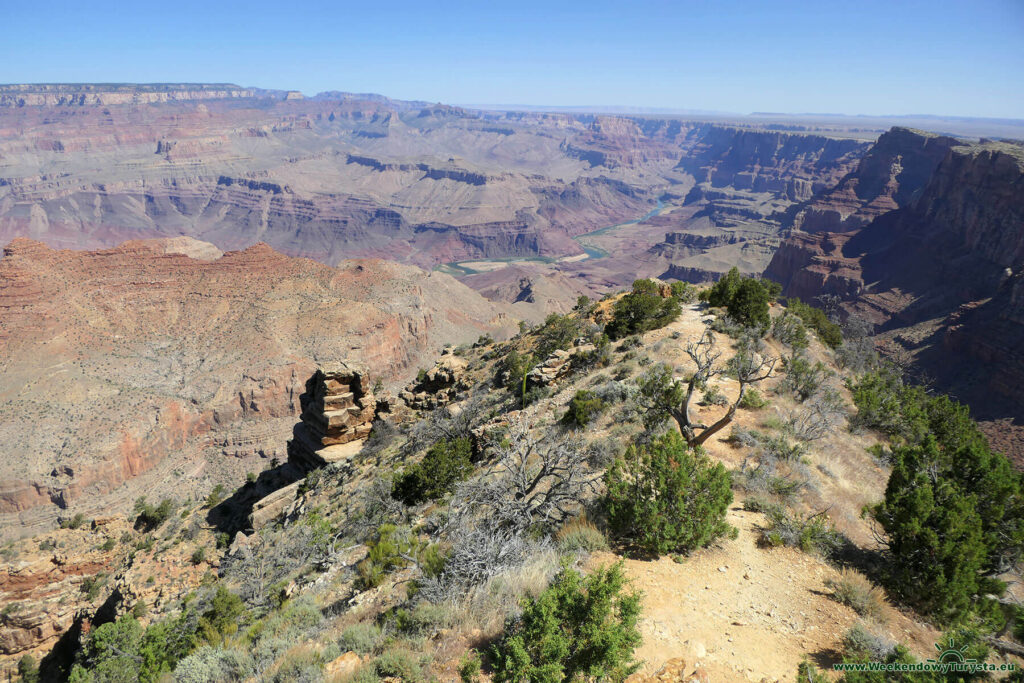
337, 414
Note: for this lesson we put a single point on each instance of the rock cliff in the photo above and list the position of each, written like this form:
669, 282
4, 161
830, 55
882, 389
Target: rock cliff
939, 276
137, 367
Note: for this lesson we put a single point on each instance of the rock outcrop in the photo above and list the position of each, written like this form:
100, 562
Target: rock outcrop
438, 386
337, 414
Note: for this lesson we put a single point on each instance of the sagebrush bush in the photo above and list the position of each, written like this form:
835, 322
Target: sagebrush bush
812, 534
579, 628
361, 638
399, 663
855, 591
867, 642
580, 534
666, 497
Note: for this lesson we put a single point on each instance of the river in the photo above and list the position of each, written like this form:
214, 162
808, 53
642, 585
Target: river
591, 251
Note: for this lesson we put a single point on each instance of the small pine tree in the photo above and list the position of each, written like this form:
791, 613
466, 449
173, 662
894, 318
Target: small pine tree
580, 628
641, 310
666, 497
448, 462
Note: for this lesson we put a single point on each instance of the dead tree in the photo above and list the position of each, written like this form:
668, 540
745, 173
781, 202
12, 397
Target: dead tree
748, 366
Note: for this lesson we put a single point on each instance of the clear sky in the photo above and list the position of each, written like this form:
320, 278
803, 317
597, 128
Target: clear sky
963, 57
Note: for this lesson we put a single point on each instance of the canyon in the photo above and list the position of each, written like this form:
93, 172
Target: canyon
165, 365
925, 240
150, 355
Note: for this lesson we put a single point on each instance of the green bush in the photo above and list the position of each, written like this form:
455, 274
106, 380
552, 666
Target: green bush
579, 628
641, 310
401, 664
558, 332
149, 517
580, 534
444, 465
583, 407
828, 332
469, 666
388, 551
360, 638
752, 400
684, 292
745, 299
789, 329
812, 534
953, 508
666, 497
804, 378
28, 669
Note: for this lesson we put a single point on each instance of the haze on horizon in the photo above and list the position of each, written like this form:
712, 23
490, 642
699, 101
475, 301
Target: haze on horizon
955, 58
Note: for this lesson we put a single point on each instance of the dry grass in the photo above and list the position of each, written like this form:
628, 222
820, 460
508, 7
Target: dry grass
857, 592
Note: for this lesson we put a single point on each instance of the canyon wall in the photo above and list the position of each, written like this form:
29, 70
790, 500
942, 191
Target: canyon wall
140, 367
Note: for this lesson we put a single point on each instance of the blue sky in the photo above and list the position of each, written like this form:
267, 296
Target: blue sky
865, 57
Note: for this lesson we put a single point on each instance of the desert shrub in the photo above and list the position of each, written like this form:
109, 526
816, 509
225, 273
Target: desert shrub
612, 391
579, 628
149, 517
558, 332
91, 586
75, 522
818, 416
445, 464
422, 619
512, 370
216, 496
804, 378
828, 332
381, 436
741, 436
666, 497
855, 591
778, 447
858, 355
713, 396
583, 407
580, 534
360, 638
399, 663
28, 669
602, 452
764, 480
199, 555
684, 292
752, 400
812, 534
213, 664
864, 641
641, 310
389, 550
885, 403
469, 665
789, 329
108, 545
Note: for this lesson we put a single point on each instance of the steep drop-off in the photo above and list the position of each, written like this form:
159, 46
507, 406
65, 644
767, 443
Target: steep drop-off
141, 367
